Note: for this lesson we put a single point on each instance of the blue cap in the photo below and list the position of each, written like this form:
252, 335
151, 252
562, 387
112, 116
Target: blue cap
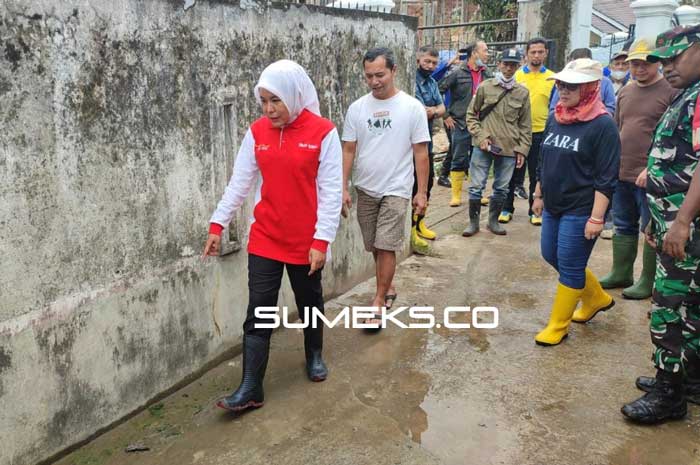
512, 55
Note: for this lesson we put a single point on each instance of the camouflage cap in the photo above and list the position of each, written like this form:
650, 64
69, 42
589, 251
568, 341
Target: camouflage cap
674, 42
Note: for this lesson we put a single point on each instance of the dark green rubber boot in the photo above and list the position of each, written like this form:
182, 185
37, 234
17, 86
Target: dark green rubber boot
624, 254
645, 284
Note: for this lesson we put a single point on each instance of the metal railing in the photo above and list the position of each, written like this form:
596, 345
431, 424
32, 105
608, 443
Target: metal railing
605, 53
457, 35
345, 4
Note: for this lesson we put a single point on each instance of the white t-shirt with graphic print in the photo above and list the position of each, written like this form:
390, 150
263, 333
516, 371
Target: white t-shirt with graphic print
385, 131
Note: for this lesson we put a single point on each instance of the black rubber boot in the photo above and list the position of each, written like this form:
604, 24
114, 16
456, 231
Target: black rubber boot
692, 387
665, 402
474, 214
256, 351
313, 345
495, 207
444, 181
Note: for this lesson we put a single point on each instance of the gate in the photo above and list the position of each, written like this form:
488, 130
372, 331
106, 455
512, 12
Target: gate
499, 34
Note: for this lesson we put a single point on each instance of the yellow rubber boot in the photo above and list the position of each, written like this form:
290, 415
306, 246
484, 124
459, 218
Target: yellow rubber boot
422, 229
557, 329
418, 245
456, 178
593, 300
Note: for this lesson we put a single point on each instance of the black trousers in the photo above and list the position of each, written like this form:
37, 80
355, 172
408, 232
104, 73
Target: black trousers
264, 281
518, 179
532, 162
447, 162
431, 175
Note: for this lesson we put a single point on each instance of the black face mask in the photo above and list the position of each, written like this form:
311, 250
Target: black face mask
424, 73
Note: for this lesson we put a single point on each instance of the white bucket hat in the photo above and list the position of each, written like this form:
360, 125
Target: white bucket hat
579, 72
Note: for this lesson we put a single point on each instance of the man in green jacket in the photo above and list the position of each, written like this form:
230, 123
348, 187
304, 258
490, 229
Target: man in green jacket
498, 119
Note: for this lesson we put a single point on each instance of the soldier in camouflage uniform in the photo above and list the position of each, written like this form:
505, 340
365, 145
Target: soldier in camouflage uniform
673, 191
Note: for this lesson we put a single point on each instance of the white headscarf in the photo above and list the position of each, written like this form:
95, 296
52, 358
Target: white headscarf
289, 81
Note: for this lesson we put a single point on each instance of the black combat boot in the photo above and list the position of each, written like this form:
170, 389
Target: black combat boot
691, 386
313, 345
249, 394
666, 401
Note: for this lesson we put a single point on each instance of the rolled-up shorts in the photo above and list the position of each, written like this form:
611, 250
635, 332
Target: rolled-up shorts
382, 221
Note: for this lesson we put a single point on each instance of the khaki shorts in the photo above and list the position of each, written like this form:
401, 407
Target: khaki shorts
382, 221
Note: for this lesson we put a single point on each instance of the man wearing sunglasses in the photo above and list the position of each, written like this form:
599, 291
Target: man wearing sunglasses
673, 193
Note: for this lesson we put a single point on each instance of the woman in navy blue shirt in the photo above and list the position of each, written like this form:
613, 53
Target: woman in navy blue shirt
577, 174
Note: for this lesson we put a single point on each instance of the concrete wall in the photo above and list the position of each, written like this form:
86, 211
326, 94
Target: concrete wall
529, 19
580, 24
559, 20
120, 123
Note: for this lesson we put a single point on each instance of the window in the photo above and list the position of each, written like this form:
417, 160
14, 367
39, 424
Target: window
224, 150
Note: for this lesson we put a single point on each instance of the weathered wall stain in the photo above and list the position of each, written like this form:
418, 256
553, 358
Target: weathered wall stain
5, 359
110, 172
13, 55
5, 365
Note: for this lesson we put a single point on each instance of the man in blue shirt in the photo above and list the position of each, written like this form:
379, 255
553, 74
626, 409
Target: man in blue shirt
444, 67
428, 94
607, 90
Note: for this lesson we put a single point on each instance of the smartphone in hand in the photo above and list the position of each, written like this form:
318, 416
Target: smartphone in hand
495, 149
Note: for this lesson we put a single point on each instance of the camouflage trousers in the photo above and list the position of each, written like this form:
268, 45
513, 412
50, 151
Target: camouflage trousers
675, 315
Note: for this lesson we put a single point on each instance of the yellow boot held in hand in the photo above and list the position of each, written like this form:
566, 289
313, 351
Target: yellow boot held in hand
456, 178
418, 245
593, 300
563, 307
422, 229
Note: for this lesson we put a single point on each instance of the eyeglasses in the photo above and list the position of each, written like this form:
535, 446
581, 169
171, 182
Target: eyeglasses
565, 85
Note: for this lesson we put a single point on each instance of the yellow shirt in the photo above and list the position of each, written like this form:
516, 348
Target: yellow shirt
540, 89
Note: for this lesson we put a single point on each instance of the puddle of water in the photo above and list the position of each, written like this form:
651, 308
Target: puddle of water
477, 337
669, 444
461, 431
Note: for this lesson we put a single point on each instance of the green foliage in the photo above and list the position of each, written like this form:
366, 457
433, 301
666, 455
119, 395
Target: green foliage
157, 410
497, 9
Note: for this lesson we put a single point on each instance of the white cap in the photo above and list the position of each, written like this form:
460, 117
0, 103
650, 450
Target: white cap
580, 71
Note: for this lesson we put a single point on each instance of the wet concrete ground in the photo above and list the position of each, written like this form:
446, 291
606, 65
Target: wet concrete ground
441, 396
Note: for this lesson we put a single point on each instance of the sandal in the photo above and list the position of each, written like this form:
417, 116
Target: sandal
392, 298
376, 329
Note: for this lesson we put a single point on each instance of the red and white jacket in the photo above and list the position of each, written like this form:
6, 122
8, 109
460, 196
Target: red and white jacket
297, 205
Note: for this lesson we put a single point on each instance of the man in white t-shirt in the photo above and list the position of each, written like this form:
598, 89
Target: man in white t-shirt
385, 133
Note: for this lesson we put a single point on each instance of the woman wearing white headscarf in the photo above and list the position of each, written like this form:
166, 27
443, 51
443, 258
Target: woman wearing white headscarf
296, 157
